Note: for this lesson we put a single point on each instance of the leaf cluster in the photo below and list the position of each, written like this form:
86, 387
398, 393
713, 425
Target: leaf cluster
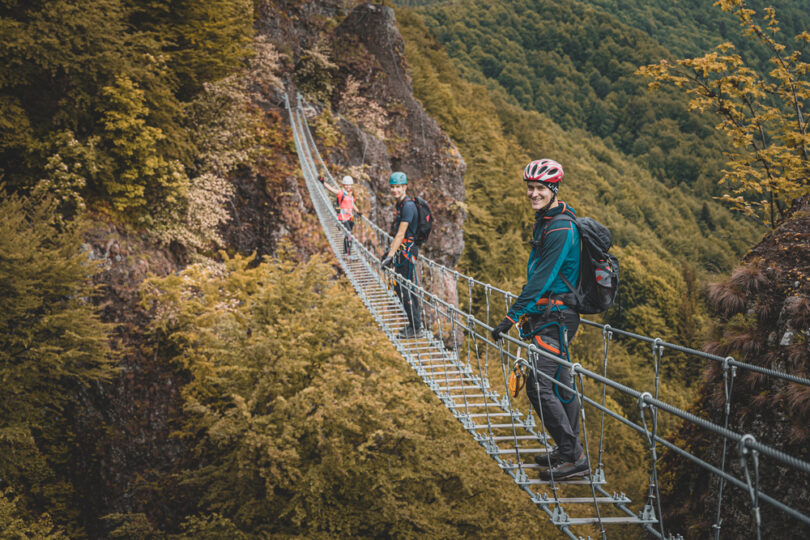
93, 96
53, 345
763, 112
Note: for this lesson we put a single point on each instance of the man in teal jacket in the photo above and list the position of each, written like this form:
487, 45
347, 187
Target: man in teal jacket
547, 321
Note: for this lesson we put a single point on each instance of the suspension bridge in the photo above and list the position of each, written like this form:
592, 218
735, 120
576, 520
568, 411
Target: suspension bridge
469, 373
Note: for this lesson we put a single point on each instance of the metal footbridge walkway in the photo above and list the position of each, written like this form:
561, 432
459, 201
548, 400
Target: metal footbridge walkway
470, 373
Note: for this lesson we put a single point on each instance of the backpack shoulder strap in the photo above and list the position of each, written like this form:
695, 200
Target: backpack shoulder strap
561, 217
557, 218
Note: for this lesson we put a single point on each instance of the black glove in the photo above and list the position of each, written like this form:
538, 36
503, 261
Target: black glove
321, 179
388, 261
503, 327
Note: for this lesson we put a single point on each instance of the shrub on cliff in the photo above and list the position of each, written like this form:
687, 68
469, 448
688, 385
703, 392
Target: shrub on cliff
52, 346
302, 420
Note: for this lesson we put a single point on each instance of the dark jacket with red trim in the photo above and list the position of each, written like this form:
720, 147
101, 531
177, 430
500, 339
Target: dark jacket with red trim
560, 255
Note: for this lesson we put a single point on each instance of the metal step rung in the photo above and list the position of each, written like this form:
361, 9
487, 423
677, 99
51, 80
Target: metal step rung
449, 369
498, 426
462, 406
468, 387
608, 520
438, 365
576, 480
522, 451
484, 415
468, 396
584, 500
513, 437
493, 405
430, 367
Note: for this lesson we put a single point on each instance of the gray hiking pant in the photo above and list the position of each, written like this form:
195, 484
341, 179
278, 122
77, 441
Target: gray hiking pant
556, 406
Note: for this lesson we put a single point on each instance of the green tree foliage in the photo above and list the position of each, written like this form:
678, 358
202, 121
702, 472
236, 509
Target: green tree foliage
576, 65
313, 72
302, 420
16, 524
97, 92
142, 178
692, 27
763, 112
498, 138
202, 41
52, 346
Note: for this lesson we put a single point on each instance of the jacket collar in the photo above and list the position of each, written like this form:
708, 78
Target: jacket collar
551, 212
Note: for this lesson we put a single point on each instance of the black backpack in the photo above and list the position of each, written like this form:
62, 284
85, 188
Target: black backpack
598, 280
424, 221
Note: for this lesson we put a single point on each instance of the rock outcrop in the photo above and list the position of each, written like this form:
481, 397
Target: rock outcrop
370, 51
764, 313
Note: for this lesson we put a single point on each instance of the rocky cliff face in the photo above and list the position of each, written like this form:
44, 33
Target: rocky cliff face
371, 53
364, 77
764, 312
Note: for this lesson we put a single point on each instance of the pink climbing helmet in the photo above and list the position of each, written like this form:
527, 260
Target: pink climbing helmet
547, 171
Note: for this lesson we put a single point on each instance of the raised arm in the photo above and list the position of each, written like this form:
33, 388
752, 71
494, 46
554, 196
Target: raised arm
328, 186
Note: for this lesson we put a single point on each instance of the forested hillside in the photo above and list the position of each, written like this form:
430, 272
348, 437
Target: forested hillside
576, 61
159, 387
181, 356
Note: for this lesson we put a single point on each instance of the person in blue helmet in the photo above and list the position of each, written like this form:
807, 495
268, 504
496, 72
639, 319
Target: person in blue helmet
547, 321
403, 252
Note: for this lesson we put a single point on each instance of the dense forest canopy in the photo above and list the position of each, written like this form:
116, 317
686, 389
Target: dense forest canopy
576, 61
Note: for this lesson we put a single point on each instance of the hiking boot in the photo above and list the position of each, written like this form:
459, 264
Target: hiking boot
554, 457
567, 469
409, 332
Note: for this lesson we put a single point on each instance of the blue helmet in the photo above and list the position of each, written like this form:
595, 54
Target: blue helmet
398, 178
